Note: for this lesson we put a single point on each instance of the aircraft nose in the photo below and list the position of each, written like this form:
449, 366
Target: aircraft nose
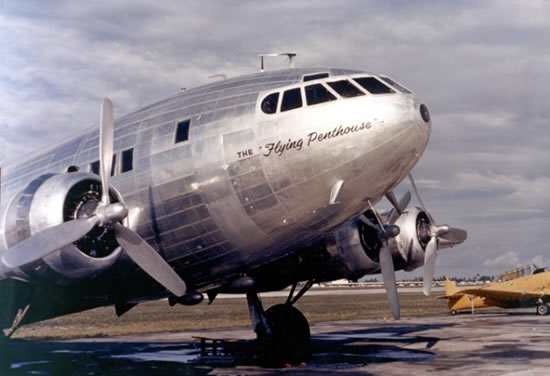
422, 116
422, 121
425, 113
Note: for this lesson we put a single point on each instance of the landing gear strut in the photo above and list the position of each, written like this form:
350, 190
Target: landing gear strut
283, 335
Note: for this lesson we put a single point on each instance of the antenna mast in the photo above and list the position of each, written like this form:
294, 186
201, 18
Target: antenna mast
290, 55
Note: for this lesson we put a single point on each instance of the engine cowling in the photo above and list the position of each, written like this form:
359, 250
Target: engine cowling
414, 235
53, 199
348, 253
353, 249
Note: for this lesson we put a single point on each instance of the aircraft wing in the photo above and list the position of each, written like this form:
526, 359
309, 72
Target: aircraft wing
449, 296
494, 293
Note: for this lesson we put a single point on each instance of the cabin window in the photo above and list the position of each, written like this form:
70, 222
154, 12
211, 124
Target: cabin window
269, 104
182, 131
113, 166
94, 167
373, 86
291, 99
396, 85
127, 161
318, 94
316, 76
345, 88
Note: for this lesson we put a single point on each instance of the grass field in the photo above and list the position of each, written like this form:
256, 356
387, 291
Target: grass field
223, 313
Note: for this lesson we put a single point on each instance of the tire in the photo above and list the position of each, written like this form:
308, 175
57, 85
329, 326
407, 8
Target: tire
543, 309
289, 342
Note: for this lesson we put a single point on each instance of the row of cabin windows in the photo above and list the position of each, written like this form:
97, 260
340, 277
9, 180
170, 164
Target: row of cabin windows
318, 93
126, 163
127, 156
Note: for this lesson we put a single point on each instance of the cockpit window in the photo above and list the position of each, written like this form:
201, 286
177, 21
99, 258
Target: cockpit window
316, 76
345, 88
291, 99
396, 85
269, 104
373, 86
318, 94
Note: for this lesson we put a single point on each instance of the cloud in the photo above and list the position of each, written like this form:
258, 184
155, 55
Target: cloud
481, 67
541, 261
507, 260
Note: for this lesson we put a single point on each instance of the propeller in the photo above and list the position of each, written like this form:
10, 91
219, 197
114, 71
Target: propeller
388, 276
451, 235
47, 241
385, 256
107, 214
149, 260
398, 207
106, 135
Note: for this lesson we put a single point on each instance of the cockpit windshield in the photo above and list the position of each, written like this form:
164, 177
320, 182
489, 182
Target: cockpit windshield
345, 88
396, 85
318, 94
269, 104
291, 99
325, 91
373, 85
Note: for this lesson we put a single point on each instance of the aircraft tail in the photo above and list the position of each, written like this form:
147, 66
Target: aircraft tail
451, 291
455, 299
450, 287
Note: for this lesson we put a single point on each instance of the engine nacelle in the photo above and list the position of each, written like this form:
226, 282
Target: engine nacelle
353, 250
413, 237
348, 254
53, 199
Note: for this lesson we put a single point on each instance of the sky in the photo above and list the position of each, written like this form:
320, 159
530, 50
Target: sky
482, 67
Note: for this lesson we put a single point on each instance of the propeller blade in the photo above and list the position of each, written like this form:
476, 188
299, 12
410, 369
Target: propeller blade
454, 235
47, 241
420, 199
149, 260
403, 203
405, 200
106, 147
388, 276
429, 265
391, 198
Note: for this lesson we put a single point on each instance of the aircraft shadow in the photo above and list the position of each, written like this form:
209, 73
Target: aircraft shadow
335, 350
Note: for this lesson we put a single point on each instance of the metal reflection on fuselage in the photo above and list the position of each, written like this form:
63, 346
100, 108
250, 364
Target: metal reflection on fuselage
247, 186
370, 143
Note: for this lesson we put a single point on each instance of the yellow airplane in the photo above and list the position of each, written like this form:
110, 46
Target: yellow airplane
522, 287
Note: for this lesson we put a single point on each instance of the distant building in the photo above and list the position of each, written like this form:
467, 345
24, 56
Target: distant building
516, 273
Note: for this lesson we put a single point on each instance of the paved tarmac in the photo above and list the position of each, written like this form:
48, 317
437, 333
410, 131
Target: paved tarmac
512, 342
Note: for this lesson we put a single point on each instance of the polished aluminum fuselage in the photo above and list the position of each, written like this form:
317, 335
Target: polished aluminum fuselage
247, 187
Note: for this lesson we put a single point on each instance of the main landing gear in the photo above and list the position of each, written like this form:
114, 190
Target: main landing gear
283, 335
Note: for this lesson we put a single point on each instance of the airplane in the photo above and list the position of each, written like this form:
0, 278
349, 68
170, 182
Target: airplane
512, 289
243, 185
